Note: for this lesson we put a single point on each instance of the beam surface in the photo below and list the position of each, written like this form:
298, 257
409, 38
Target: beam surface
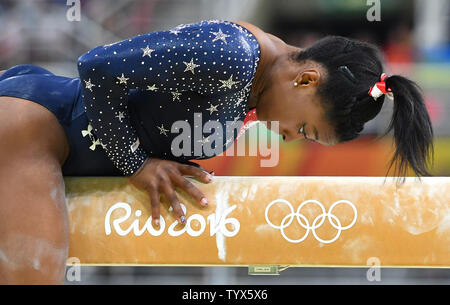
295, 221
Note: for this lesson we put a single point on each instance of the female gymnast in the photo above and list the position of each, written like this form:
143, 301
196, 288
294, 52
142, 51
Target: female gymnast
115, 119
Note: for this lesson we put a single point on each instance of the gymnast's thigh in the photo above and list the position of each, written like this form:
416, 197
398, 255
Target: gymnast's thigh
33, 213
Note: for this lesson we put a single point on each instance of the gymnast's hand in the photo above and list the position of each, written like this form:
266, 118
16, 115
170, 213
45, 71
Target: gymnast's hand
162, 176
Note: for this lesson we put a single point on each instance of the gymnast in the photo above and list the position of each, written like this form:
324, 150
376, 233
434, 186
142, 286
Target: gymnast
115, 120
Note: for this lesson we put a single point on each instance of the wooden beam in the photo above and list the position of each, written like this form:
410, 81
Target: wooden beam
295, 221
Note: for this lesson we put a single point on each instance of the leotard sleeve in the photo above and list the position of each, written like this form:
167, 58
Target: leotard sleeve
192, 57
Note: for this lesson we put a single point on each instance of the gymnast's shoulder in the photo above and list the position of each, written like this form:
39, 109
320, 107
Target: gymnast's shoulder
268, 42
256, 31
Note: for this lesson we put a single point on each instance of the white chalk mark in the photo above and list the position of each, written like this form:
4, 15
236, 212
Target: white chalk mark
221, 206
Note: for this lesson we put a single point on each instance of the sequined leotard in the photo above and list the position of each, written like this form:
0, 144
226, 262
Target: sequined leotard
201, 67
133, 92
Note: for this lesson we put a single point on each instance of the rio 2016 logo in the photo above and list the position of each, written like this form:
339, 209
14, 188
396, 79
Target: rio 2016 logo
217, 222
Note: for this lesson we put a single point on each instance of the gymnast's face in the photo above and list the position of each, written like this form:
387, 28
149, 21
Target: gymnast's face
298, 108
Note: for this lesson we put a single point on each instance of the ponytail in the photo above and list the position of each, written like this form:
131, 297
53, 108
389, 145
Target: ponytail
413, 132
353, 67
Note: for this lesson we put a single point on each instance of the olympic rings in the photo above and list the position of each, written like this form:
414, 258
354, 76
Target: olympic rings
317, 222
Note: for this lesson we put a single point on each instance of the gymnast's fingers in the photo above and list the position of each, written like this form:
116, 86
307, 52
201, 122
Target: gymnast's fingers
174, 202
189, 170
155, 204
189, 188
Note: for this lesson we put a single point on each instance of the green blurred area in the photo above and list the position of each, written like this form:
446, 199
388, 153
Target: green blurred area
432, 76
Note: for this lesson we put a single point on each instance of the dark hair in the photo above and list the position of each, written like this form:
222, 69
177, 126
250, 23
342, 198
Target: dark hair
353, 67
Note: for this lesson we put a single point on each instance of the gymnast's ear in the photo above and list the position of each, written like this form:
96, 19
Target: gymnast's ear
308, 78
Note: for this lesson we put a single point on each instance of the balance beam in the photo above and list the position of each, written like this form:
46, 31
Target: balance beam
287, 221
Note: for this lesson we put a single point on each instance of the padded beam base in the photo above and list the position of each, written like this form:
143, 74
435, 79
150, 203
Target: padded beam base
295, 221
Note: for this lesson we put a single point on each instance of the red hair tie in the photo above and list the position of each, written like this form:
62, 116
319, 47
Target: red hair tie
380, 88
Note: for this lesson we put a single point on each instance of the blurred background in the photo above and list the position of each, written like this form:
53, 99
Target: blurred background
413, 35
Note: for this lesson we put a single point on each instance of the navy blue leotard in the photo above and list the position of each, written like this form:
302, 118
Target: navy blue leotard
122, 108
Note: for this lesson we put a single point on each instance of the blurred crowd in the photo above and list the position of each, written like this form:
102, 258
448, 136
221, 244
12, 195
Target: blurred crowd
38, 30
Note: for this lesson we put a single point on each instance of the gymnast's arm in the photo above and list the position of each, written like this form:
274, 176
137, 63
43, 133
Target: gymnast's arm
169, 61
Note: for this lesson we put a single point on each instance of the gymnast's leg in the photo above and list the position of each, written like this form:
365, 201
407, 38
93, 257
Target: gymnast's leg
33, 212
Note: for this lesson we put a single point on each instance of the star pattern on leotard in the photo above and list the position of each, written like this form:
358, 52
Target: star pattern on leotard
176, 96
220, 36
120, 116
89, 85
147, 51
190, 66
152, 88
236, 119
239, 101
175, 31
162, 130
205, 67
212, 108
228, 82
122, 79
